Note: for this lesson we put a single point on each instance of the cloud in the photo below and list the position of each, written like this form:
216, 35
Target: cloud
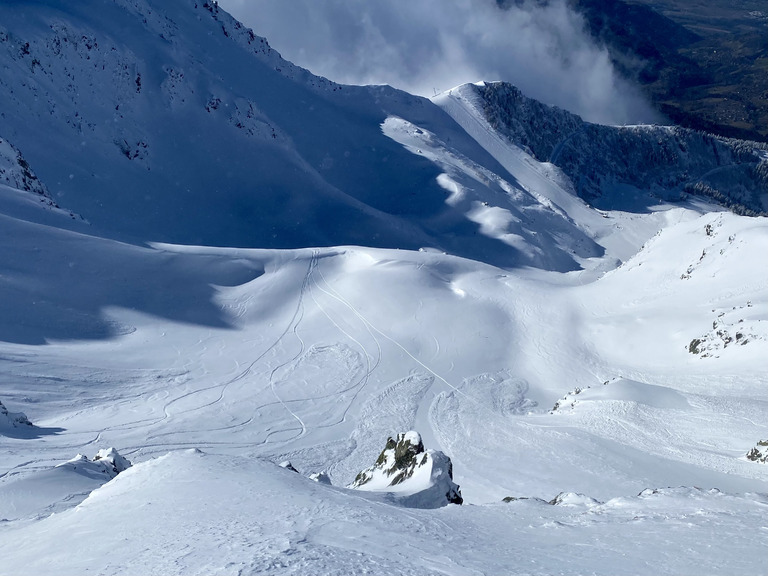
424, 46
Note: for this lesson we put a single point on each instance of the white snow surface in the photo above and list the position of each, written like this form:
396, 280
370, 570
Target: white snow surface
207, 365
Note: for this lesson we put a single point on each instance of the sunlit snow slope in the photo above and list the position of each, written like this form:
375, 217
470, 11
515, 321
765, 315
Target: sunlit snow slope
220, 301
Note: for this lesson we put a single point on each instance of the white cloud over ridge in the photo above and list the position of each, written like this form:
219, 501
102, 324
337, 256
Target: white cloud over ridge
424, 46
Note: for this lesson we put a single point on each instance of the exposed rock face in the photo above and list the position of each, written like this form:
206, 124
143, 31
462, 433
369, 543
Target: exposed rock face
417, 477
669, 161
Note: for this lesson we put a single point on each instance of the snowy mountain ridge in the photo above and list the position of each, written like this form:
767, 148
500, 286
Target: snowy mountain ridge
273, 267
134, 103
668, 161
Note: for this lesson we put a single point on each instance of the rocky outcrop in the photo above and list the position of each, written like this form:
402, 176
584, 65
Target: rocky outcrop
417, 477
574, 499
16, 173
106, 464
320, 478
13, 419
669, 161
288, 466
759, 453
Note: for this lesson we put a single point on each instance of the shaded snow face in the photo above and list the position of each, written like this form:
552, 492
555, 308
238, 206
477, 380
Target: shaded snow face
429, 46
195, 513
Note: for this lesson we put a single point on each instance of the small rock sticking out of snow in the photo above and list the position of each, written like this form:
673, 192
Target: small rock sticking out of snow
417, 477
287, 465
12, 419
574, 499
759, 453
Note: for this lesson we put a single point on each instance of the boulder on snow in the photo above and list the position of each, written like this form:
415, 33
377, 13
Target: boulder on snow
288, 466
759, 453
321, 477
106, 464
12, 419
111, 457
416, 477
574, 499
508, 499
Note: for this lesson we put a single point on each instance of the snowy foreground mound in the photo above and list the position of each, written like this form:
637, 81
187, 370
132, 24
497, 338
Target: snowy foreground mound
668, 161
417, 477
206, 514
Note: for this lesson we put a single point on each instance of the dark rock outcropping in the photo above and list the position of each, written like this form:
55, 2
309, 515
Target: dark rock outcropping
668, 161
417, 477
759, 453
107, 464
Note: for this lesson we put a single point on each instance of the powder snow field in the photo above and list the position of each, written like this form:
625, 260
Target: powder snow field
614, 358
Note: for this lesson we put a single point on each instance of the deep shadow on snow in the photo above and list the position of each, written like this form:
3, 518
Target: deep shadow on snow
62, 282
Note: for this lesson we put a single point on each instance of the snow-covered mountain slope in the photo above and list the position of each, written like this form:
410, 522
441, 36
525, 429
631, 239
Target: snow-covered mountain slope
613, 166
151, 137
320, 354
546, 347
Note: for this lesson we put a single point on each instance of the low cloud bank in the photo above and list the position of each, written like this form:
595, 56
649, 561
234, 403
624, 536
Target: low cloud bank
433, 45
